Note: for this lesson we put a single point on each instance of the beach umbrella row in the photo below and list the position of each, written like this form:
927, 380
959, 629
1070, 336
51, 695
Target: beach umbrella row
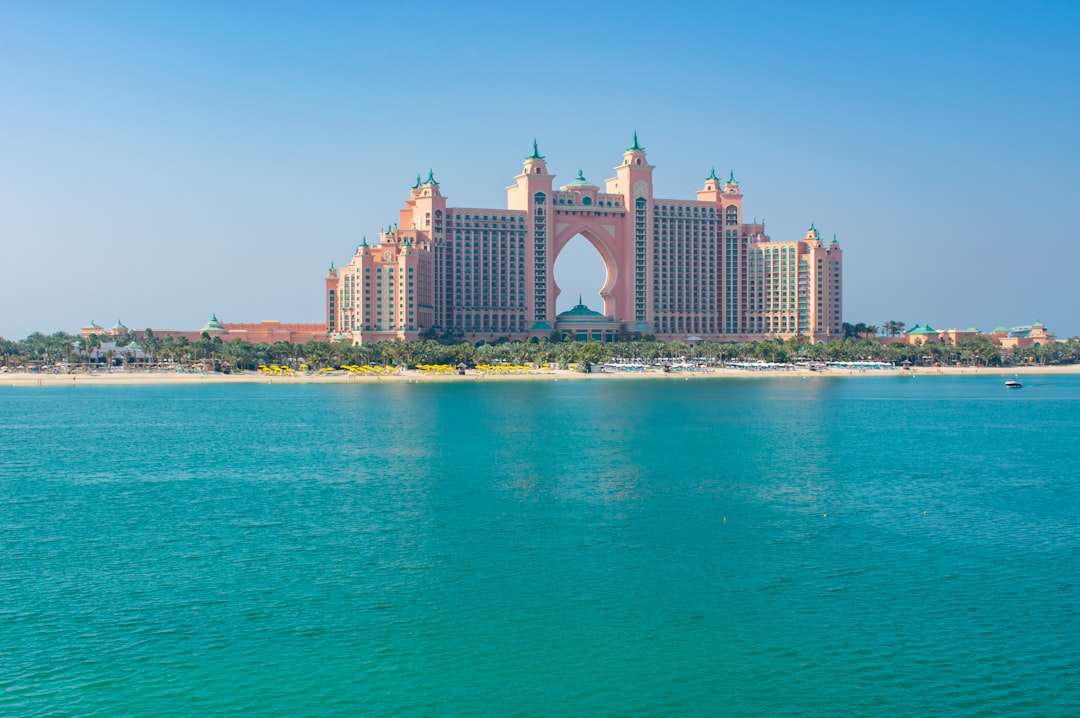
502, 369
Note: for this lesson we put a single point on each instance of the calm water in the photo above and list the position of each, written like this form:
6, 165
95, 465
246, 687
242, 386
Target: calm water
863, 546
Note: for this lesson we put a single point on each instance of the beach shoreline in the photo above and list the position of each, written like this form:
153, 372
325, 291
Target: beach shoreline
134, 378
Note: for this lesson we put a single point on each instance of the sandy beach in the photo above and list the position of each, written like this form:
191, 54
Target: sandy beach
124, 378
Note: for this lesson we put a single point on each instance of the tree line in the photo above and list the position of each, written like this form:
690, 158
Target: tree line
62, 348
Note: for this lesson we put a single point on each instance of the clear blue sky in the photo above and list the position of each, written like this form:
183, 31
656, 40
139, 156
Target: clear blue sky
161, 161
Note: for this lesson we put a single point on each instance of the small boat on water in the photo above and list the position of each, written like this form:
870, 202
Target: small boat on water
1013, 384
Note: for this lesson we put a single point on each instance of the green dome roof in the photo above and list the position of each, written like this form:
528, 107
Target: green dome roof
919, 329
580, 312
213, 325
580, 181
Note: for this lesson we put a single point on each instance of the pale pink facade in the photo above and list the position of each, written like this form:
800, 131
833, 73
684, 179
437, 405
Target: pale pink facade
270, 331
1023, 337
1034, 335
674, 268
265, 332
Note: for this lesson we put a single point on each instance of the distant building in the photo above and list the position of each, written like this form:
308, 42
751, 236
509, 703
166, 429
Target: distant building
954, 336
118, 329
675, 268
926, 334
1025, 336
265, 332
117, 354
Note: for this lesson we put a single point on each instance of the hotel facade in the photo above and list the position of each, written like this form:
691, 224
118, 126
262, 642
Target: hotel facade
675, 268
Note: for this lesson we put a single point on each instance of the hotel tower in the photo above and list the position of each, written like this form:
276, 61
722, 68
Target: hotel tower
676, 268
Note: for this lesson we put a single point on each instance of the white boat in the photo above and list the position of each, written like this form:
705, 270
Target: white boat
1013, 384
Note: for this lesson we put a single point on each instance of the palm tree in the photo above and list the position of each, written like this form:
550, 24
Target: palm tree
894, 328
7, 349
91, 343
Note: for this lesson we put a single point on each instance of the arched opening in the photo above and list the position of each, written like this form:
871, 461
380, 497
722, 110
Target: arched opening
579, 272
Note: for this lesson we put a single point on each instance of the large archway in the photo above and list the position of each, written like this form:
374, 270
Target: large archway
579, 273
600, 236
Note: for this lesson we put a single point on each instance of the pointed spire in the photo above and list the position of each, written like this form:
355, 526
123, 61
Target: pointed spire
535, 153
812, 228
363, 241
636, 146
581, 176
430, 177
731, 178
580, 301
418, 182
331, 265
712, 175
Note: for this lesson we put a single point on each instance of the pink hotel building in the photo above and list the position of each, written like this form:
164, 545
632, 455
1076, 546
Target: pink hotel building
677, 269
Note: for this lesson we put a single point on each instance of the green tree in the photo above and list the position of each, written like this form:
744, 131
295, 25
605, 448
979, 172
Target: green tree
91, 344
894, 328
8, 349
151, 345
979, 350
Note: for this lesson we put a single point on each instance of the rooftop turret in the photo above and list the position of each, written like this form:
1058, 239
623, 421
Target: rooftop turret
732, 184
213, 325
580, 181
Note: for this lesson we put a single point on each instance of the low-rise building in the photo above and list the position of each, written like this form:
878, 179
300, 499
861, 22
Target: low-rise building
1024, 336
265, 332
1034, 335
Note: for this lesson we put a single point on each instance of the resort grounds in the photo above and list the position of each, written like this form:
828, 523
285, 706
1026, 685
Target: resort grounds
125, 377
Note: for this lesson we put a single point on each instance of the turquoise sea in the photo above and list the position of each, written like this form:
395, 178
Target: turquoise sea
863, 546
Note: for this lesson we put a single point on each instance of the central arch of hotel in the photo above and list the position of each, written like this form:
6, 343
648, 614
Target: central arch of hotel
604, 238
611, 216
